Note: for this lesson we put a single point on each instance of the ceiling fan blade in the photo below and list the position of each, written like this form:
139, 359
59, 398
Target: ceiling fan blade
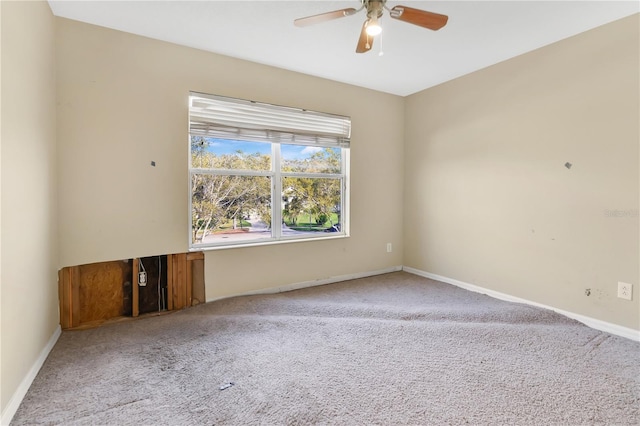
365, 42
323, 17
422, 18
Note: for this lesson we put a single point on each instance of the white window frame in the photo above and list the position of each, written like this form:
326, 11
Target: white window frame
276, 175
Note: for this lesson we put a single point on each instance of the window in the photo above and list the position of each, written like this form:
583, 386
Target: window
261, 173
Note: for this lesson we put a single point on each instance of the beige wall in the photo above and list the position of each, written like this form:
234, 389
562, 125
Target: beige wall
123, 103
488, 199
29, 230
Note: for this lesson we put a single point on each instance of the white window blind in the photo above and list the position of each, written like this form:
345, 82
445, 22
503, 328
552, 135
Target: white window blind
238, 119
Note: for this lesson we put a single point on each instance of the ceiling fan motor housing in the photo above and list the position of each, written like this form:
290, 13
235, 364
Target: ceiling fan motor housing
374, 7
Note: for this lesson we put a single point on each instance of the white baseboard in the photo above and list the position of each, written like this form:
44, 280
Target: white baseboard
607, 327
19, 394
313, 283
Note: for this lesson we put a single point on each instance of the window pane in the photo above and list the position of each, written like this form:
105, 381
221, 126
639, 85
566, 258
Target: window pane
310, 159
310, 205
209, 153
230, 208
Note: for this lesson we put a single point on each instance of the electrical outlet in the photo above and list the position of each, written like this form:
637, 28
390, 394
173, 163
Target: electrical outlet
389, 248
625, 290
142, 279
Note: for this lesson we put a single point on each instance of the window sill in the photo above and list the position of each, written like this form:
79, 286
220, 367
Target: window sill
270, 242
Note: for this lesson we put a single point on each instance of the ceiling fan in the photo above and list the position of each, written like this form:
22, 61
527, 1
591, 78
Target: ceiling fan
371, 26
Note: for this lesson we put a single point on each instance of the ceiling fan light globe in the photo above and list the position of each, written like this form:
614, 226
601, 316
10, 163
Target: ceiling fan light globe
374, 29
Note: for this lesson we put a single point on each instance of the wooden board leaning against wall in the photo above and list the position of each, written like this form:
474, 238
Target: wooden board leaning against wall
96, 293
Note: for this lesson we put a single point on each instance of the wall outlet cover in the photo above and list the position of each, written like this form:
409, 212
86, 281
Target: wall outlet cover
625, 290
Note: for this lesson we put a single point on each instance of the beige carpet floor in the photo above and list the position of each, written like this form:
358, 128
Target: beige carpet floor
394, 349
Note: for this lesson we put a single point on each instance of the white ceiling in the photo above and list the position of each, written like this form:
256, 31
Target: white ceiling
478, 34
